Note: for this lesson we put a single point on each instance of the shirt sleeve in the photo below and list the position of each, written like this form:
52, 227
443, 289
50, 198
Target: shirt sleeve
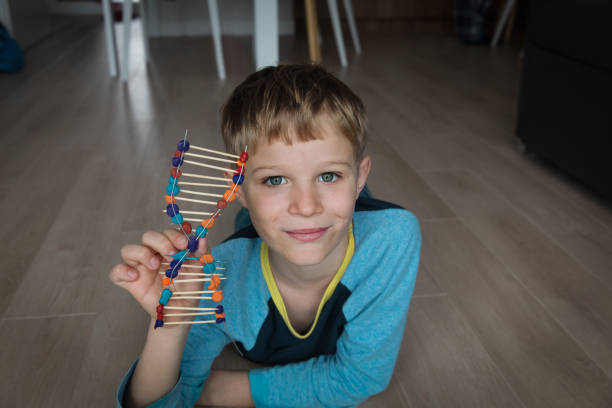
204, 343
367, 349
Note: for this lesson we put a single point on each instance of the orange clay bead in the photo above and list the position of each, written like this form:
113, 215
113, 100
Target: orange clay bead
213, 285
207, 258
240, 163
234, 187
169, 200
229, 196
217, 296
210, 224
166, 281
219, 315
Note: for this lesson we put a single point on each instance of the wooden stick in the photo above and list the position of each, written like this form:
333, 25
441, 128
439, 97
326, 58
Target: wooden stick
191, 266
202, 194
193, 212
183, 183
190, 280
193, 322
196, 274
189, 297
215, 151
210, 158
193, 292
209, 166
189, 314
189, 308
193, 200
204, 177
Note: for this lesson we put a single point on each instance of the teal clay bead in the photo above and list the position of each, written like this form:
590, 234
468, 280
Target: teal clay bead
165, 297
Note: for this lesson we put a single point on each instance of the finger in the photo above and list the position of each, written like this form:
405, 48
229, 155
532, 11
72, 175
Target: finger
122, 273
203, 245
159, 243
133, 255
177, 238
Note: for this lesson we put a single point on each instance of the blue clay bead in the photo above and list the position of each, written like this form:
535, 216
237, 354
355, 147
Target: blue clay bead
238, 179
177, 161
172, 210
172, 273
165, 297
183, 145
175, 262
177, 219
220, 320
209, 268
159, 323
219, 309
173, 189
193, 244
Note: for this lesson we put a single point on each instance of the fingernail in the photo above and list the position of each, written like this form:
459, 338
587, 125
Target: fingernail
154, 262
132, 274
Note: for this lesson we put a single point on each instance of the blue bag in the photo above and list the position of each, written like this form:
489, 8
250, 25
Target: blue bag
11, 56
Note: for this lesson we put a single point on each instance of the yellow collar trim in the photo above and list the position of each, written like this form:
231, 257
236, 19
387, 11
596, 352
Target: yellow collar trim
277, 298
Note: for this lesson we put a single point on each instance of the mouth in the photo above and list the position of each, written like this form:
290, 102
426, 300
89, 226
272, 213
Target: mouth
307, 234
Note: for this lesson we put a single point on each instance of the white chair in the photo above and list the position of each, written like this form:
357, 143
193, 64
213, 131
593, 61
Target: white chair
111, 45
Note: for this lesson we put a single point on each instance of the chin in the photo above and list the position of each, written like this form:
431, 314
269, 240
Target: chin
305, 258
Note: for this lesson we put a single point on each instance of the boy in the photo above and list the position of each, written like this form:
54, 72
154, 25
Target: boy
318, 286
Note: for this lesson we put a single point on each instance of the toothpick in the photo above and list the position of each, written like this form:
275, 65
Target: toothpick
204, 177
210, 166
191, 280
196, 274
193, 212
202, 194
189, 314
193, 200
210, 158
192, 322
194, 292
191, 266
188, 183
188, 308
215, 151
189, 297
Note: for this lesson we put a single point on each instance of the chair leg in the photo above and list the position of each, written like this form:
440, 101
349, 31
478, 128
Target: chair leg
348, 8
313, 31
333, 12
144, 8
502, 22
109, 36
215, 28
127, 31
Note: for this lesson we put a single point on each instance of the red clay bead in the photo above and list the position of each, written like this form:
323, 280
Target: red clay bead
160, 316
187, 227
244, 157
178, 153
174, 173
160, 309
221, 204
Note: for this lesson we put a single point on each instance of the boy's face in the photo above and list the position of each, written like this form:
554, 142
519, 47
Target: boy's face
301, 197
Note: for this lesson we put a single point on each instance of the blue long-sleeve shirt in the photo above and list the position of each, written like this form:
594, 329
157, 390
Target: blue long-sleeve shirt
350, 350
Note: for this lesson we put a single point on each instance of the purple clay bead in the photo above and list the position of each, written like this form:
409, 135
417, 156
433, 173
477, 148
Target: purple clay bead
193, 244
238, 179
177, 161
219, 309
172, 210
171, 273
159, 323
183, 145
220, 320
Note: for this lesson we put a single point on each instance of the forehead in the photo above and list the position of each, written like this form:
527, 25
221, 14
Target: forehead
330, 145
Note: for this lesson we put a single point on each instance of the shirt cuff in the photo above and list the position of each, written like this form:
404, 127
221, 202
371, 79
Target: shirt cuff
260, 387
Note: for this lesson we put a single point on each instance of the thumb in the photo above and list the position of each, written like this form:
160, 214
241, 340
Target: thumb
121, 274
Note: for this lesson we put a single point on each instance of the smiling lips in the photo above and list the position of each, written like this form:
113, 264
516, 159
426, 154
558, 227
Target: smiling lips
307, 234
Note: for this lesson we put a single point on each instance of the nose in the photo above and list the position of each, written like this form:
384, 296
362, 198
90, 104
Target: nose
305, 201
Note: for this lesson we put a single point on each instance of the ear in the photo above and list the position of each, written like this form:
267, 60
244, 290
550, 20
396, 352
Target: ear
362, 174
240, 196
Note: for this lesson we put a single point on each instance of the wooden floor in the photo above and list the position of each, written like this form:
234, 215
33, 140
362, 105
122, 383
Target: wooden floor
513, 305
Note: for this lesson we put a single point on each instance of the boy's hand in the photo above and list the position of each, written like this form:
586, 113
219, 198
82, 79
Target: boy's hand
140, 274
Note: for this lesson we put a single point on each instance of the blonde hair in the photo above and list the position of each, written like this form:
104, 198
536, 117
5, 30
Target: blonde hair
277, 102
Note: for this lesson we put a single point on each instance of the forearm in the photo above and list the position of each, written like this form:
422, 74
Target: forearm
227, 388
158, 368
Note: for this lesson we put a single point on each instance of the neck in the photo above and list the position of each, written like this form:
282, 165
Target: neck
308, 276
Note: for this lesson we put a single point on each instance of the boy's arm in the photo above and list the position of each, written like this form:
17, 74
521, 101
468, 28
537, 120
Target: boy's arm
367, 349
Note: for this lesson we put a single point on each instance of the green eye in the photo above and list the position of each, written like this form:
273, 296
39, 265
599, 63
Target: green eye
276, 180
328, 177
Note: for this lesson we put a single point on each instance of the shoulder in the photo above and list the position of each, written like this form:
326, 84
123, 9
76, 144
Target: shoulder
384, 223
